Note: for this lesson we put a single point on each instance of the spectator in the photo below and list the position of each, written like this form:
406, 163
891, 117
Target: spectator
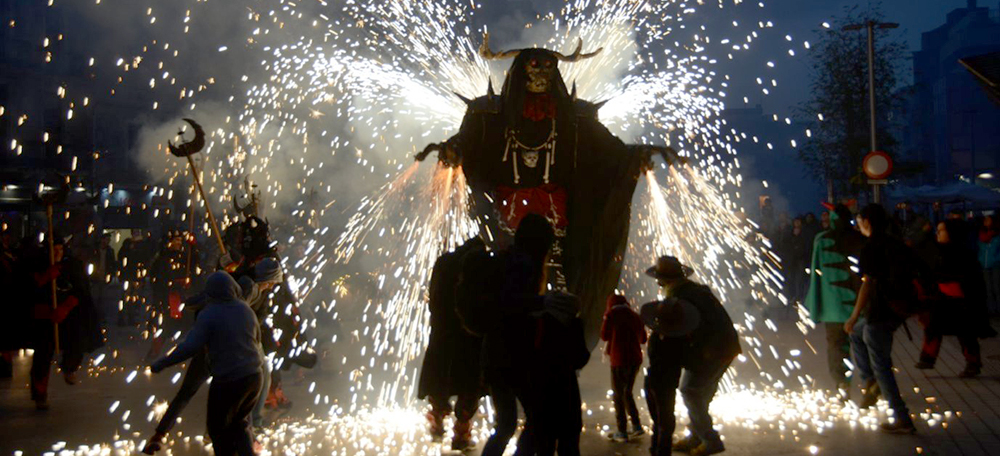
961, 307
230, 331
451, 361
799, 246
560, 352
989, 259
824, 221
134, 255
105, 268
887, 278
507, 342
623, 330
833, 289
10, 339
694, 334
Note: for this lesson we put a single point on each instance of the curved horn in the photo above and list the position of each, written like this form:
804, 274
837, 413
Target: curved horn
191, 147
576, 56
486, 53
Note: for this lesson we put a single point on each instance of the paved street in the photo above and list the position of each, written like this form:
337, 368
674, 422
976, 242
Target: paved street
767, 424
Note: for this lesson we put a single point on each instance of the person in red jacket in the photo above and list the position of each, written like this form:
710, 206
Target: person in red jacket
624, 332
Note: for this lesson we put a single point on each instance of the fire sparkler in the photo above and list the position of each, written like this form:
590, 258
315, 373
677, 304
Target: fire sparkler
347, 92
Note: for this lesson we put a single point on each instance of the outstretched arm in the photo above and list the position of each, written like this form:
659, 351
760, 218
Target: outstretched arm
669, 154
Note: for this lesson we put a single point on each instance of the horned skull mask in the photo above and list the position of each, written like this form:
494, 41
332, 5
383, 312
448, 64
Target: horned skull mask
540, 72
541, 69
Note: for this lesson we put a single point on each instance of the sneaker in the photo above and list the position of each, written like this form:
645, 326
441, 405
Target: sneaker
637, 432
619, 437
871, 394
687, 444
924, 365
707, 448
971, 370
898, 427
70, 378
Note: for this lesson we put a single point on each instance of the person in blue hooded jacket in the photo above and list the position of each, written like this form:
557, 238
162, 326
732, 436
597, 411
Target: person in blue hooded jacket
229, 330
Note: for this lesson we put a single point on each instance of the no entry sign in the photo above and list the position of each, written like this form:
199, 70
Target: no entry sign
877, 165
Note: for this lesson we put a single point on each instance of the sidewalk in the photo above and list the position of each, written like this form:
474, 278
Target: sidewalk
80, 415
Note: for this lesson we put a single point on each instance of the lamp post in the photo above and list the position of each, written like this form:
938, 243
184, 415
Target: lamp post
871, 26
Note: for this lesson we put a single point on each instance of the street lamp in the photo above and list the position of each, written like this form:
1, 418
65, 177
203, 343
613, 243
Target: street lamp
871, 26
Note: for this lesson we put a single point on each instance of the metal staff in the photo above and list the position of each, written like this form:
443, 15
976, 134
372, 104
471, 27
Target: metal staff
186, 150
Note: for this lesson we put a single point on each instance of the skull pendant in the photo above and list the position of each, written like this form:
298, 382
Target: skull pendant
530, 159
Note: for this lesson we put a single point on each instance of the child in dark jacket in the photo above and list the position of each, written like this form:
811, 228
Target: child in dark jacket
625, 333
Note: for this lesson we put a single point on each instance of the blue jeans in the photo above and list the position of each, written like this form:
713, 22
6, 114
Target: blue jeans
871, 349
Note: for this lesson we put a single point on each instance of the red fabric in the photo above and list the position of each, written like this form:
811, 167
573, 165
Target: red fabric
57, 315
549, 201
174, 299
951, 289
538, 106
624, 332
49, 275
986, 235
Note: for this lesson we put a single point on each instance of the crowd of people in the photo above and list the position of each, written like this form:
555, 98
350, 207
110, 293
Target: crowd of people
869, 277
498, 330
80, 294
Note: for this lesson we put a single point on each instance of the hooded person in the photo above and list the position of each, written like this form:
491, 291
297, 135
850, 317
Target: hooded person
229, 330
624, 333
451, 362
536, 148
559, 352
833, 288
693, 336
508, 339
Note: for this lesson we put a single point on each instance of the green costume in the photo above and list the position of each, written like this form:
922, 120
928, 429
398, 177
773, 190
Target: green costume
833, 286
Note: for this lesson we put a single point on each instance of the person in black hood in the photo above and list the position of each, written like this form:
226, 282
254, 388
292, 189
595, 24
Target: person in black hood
229, 329
451, 361
507, 342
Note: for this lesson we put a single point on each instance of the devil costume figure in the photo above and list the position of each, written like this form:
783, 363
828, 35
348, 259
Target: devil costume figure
536, 148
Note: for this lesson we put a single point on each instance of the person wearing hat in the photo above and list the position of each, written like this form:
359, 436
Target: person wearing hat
693, 335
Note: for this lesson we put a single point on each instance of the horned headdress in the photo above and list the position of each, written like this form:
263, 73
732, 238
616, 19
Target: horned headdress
577, 55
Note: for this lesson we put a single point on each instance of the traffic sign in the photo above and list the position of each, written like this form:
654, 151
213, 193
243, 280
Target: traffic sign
877, 165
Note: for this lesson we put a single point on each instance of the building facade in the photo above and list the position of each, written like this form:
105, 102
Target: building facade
952, 128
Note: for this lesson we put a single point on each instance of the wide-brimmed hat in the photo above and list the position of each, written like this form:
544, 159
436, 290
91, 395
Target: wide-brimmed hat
668, 267
671, 317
